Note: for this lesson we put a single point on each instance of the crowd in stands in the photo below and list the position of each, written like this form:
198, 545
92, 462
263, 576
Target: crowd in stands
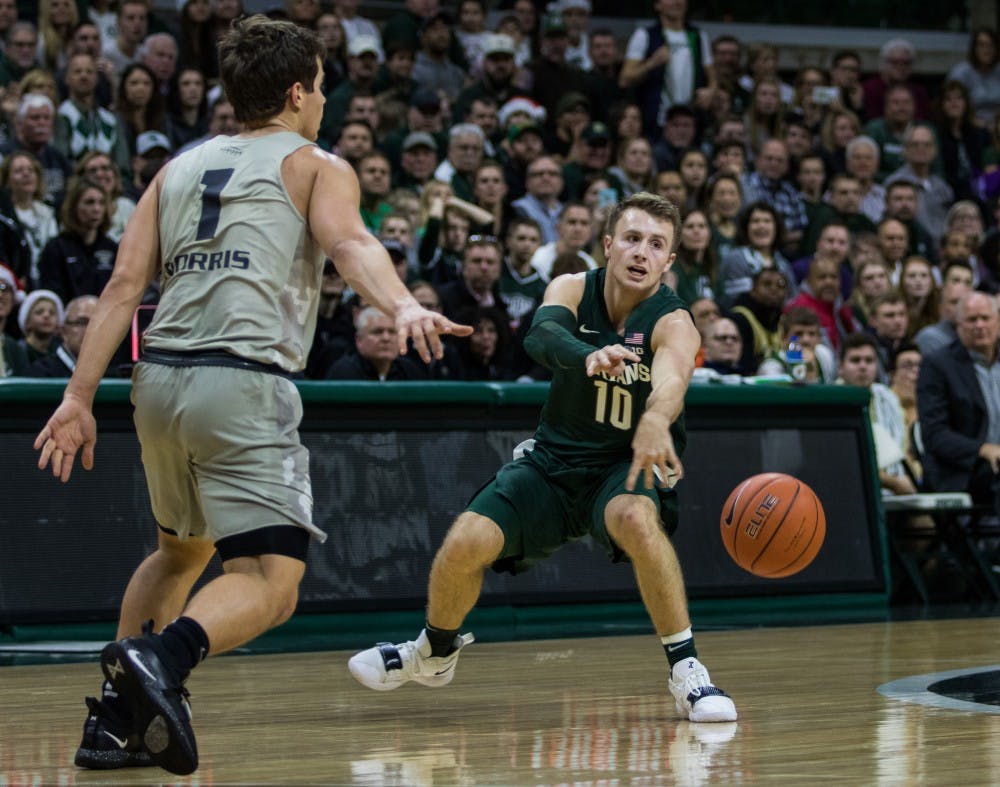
848, 214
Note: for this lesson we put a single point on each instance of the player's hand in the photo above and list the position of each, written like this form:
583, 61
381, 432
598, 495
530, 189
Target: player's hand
425, 328
991, 453
71, 427
610, 360
652, 450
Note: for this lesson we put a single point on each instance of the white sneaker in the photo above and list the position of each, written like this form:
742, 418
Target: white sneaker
388, 666
697, 699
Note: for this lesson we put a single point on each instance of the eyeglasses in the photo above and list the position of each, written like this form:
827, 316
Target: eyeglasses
908, 365
728, 338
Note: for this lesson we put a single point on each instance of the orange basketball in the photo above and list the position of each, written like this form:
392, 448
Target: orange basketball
773, 525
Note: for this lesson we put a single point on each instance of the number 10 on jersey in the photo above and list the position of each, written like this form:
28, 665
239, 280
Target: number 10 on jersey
619, 413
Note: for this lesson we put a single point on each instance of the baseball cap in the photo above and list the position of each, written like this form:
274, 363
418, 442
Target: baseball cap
361, 44
553, 24
498, 44
148, 141
416, 139
571, 101
596, 132
516, 132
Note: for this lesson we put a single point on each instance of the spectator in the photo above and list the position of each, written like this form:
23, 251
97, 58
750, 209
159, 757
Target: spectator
845, 74
197, 39
376, 355
483, 355
573, 234
466, 143
820, 361
932, 338
13, 356
40, 316
963, 142
404, 29
33, 133
21, 176
668, 62
758, 242
471, 31
362, 67
86, 40
724, 198
221, 120
158, 53
140, 105
896, 60
889, 323
589, 159
576, 16
762, 66
670, 185
871, 280
704, 312
757, 315
541, 203
8, 16
887, 130
764, 119
187, 108
418, 161
355, 141
916, 283
723, 350
79, 260
152, 151
727, 56
375, 180
858, 368
980, 73
694, 173
82, 125
364, 107
423, 114
354, 26
490, 191
572, 115
903, 380
694, 267
331, 29
20, 52
902, 202
893, 241
844, 208
56, 21
679, 134
934, 195
448, 228
821, 294
767, 184
604, 73
496, 80
521, 286
334, 324
133, 25
551, 76
958, 406
811, 179
480, 278
840, 126
861, 157
635, 170
432, 68
524, 143
62, 360
834, 244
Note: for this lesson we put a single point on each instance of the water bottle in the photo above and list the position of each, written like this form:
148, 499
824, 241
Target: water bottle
796, 363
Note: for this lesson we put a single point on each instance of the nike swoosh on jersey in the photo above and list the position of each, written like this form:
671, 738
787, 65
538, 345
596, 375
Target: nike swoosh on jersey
585, 329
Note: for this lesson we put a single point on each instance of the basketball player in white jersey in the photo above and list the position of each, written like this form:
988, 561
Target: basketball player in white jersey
237, 229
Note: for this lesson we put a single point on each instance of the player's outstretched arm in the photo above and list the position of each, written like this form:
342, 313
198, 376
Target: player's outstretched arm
335, 222
72, 426
675, 344
552, 338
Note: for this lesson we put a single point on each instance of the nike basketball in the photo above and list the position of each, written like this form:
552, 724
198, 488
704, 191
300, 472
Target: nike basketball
773, 525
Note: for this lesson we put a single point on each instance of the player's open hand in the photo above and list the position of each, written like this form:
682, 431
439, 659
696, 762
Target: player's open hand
653, 453
610, 360
425, 328
71, 427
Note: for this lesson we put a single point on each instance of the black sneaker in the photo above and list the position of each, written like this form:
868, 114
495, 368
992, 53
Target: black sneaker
109, 741
158, 699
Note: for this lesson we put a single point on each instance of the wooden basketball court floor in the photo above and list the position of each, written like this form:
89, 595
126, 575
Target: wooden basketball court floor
567, 712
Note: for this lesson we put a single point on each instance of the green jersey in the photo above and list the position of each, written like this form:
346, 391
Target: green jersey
590, 421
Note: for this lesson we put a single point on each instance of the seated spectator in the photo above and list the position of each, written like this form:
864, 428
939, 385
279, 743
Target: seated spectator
355, 140
903, 381
764, 119
889, 323
40, 317
572, 115
845, 74
20, 52
418, 160
757, 315
871, 280
449, 224
376, 355
692, 274
893, 242
396, 227
723, 348
187, 107
634, 170
963, 142
99, 168
958, 406
132, 27
916, 283
490, 192
767, 184
762, 65
541, 203
21, 175
887, 130
588, 160
896, 60
574, 232
466, 142
694, 173
730, 156
758, 239
811, 180
858, 365
33, 127
521, 286
140, 106
861, 159
13, 356
670, 185
523, 146
934, 195
483, 355
723, 199
479, 284
79, 260
363, 54
432, 67
375, 180
980, 74
902, 202
844, 207
679, 133
932, 338
839, 127
62, 360
834, 244
334, 333
804, 325
821, 294
552, 77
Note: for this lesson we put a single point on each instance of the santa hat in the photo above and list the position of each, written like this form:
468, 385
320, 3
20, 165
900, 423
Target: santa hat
521, 104
32, 298
7, 276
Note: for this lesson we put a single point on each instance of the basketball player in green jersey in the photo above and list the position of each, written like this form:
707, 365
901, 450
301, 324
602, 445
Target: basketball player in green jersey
621, 348
237, 229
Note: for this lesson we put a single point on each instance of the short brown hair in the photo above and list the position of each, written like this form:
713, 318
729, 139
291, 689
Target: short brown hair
74, 193
653, 204
260, 59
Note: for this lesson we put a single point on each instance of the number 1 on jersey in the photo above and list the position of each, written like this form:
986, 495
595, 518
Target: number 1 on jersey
214, 181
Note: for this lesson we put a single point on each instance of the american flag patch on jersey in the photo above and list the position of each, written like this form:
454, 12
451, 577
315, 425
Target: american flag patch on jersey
635, 338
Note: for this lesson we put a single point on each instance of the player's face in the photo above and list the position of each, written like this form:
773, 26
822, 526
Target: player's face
639, 251
312, 106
